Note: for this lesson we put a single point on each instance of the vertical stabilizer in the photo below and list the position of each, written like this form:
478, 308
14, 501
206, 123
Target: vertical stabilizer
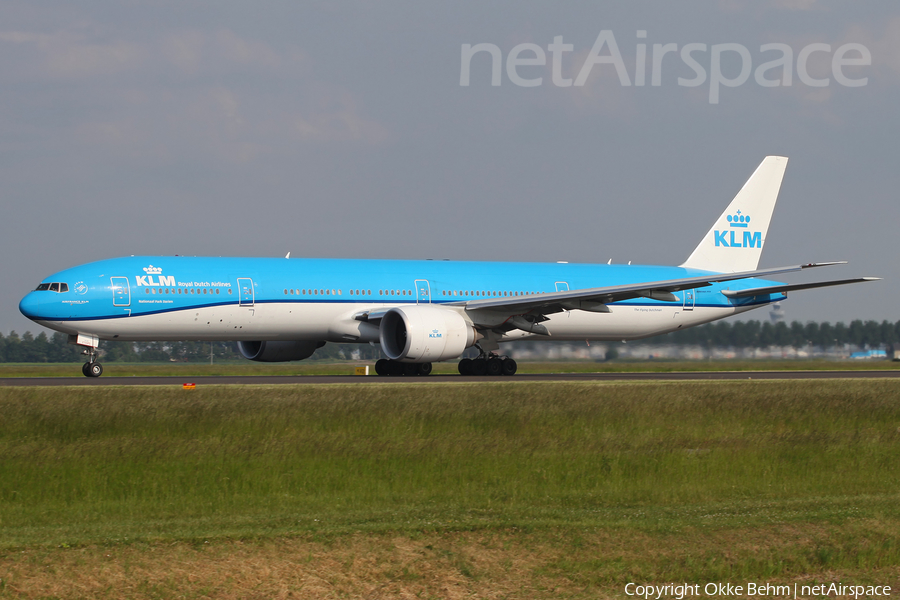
736, 240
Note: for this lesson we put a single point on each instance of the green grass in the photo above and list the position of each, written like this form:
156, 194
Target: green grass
90, 464
249, 368
542, 490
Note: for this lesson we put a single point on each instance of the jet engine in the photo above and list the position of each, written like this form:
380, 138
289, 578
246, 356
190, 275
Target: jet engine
277, 351
424, 333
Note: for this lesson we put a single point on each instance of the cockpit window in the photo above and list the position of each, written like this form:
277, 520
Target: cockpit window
52, 287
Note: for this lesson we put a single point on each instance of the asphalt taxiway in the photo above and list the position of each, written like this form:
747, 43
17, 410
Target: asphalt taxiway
363, 380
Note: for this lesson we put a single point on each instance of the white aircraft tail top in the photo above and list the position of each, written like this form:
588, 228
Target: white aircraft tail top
735, 241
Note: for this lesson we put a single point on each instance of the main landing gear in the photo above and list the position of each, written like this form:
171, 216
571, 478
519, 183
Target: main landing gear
91, 368
490, 364
395, 368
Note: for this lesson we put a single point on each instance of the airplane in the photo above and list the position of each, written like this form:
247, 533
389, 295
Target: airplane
418, 311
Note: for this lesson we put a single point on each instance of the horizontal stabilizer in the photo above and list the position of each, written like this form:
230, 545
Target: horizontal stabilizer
774, 289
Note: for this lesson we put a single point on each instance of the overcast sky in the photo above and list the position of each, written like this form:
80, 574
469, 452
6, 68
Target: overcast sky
340, 129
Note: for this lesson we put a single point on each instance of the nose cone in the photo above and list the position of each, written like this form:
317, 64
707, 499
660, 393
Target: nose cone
30, 306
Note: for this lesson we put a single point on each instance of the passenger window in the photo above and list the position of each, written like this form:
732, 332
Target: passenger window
217, 290
229, 290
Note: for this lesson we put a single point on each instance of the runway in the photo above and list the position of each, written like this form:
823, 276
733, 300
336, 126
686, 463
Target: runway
372, 379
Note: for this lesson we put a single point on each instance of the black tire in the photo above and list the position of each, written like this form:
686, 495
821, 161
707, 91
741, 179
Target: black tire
382, 367
395, 368
494, 367
410, 369
509, 366
424, 368
465, 366
95, 369
84, 369
478, 367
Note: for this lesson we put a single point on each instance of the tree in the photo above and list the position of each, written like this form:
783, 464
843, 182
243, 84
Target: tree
60, 350
13, 347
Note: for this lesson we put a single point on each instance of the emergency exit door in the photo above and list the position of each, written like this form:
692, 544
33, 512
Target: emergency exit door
245, 291
121, 291
423, 291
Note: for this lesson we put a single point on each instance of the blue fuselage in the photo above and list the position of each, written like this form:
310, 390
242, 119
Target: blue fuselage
140, 298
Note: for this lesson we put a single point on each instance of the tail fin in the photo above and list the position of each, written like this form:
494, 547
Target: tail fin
736, 240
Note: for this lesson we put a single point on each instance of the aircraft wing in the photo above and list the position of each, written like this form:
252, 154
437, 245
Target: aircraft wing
774, 289
592, 298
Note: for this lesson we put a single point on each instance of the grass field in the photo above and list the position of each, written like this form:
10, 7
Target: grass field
346, 368
496, 489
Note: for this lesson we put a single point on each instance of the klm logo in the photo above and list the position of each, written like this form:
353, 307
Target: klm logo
435, 334
161, 280
731, 238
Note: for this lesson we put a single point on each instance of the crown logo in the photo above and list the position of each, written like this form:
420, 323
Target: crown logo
738, 220
151, 270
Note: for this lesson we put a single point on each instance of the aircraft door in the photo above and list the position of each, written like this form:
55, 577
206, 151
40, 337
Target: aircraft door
121, 291
688, 300
562, 286
423, 291
246, 295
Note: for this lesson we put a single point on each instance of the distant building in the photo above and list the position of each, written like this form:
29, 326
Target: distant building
777, 313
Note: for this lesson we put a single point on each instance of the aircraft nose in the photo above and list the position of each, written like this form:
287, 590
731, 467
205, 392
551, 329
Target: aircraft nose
30, 305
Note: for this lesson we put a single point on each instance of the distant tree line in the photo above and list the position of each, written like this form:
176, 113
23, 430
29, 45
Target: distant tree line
41, 348
756, 334
723, 334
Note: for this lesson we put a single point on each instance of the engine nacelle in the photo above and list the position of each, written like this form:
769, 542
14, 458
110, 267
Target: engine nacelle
424, 333
277, 351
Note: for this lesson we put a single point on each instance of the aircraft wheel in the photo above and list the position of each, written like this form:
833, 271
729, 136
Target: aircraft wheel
494, 367
424, 368
509, 366
478, 367
395, 368
465, 366
95, 369
410, 369
382, 367
84, 369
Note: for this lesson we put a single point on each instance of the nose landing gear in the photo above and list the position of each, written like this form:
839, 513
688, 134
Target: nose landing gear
91, 368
